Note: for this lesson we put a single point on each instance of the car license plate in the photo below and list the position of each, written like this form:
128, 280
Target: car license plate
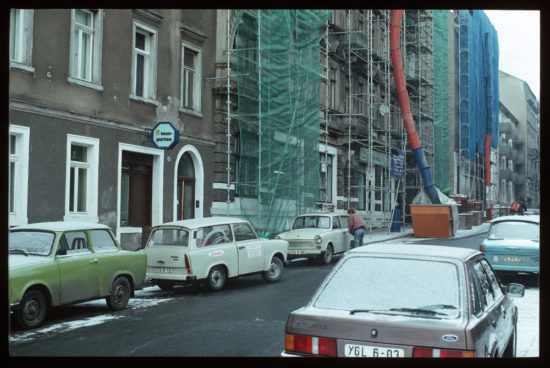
361, 351
512, 259
162, 269
296, 251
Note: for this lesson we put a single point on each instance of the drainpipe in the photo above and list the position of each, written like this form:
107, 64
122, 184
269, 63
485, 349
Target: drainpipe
406, 114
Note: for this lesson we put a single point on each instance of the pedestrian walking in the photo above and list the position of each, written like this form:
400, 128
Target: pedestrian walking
356, 226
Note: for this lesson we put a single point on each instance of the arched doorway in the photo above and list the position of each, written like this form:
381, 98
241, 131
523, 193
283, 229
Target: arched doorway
185, 199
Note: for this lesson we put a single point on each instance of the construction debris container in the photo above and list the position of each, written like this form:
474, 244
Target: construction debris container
432, 221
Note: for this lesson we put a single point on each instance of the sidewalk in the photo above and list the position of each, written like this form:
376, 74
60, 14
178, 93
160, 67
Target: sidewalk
382, 235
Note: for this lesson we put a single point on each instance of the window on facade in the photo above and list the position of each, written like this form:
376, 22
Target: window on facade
83, 39
144, 62
191, 78
247, 166
82, 178
18, 170
78, 178
13, 161
85, 49
332, 88
21, 29
325, 176
362, 198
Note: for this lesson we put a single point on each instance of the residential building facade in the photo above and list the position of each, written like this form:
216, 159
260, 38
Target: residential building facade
82, 111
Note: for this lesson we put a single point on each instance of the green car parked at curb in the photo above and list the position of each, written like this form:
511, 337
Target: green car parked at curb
59, 263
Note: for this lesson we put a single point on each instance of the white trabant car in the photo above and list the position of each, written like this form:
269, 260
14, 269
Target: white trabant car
211, 250
318, 235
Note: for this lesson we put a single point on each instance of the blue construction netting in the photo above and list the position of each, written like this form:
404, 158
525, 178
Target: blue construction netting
478, 82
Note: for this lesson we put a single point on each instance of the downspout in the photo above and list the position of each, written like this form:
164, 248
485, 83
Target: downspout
406, 114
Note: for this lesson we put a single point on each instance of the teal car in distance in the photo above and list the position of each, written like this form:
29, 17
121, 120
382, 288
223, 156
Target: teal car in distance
513, 244
58, 263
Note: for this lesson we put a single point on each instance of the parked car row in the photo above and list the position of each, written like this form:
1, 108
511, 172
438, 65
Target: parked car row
384, 300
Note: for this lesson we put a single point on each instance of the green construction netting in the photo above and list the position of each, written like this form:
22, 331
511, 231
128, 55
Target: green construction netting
278, 86
441, 100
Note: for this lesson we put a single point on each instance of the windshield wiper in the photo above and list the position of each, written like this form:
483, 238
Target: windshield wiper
439, 306
428, 312
19, 251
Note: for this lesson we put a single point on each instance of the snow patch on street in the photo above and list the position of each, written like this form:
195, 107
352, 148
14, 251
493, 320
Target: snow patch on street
528, 324
134, 303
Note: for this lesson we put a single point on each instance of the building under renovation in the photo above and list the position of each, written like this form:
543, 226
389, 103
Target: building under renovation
267, 114
308, 117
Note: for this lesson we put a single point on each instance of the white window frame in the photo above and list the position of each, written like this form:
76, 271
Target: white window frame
21, 177
92, 146
150, 65
21, 37
95, 50
197, 78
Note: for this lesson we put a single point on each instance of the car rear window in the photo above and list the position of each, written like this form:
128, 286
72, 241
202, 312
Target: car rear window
514, 230
170, 237
392, 285
31, 242
319, 222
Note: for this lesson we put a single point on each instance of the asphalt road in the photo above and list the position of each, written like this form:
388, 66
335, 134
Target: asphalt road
247, 318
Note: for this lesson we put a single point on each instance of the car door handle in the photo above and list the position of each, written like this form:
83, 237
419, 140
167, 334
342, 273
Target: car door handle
95, 260
241, 247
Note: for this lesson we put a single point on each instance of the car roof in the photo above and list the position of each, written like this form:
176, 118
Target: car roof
525, 218
323, 214
62, 226
416, 250
204, 221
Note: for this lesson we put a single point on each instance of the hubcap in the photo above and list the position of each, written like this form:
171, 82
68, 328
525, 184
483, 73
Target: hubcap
32, 310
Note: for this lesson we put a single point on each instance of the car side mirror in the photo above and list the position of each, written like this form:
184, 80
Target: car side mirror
61, 252
515, 290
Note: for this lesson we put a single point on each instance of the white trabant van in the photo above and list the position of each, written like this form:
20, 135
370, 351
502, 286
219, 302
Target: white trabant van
211, 250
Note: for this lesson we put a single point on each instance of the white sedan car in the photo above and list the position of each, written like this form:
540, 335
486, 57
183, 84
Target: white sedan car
211, 250
318, 236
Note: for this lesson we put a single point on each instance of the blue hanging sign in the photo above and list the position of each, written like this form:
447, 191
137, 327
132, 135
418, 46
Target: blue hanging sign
165, 136
397, 161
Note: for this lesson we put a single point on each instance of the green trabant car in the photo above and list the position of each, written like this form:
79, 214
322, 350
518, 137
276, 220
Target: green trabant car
56, 263
209, 251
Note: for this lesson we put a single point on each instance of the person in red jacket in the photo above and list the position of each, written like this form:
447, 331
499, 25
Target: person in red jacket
356, 226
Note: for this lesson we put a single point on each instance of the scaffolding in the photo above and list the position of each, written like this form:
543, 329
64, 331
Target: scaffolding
277, 58
370, 117
288, 127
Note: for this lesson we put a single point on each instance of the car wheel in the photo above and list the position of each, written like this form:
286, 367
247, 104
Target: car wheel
326, 257
216, 278
164, 285
33, 309
120, 294
275, 270
510, 351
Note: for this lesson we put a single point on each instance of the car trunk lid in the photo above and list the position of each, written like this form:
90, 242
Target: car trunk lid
379, 335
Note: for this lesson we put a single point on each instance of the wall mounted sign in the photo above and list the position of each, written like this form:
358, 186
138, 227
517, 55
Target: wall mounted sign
397, 163
165, 135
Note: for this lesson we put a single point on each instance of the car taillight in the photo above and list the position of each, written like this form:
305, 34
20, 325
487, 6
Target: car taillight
481, 248
310, 345
187, 265
441, 353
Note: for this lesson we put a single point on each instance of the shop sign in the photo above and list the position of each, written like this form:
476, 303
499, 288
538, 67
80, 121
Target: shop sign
165, 135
